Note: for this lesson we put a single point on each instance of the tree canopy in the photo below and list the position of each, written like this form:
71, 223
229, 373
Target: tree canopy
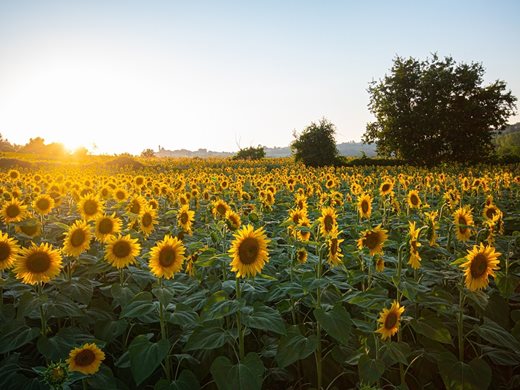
250, 153
316, 145
437, 110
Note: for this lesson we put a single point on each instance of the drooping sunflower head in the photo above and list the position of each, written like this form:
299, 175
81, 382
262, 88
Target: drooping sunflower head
185, 218
220, 208
302, 255
414, 201
333, 243
148, 220
38, 263
121, 251
107, 226
482, 262
43, 204
373, 240
249, 251
490, 211
13, 211
29, 227
77, 239
389, 320
380, 263
463, 221
90, 207
86, 359
364, 206
233, 220
8, 250
167, 257
328, 221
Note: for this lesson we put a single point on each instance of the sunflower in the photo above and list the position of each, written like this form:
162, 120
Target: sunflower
13, 211
414, 201
120, 194
380, 263
301, 201
233, 220
373, 239
364, 206
490, 211
389, 320
415, 257
37, 264
136, 205
463, 221
13, 174
220, 208
148, 220
90, 207
121, 251
86, 359
29, 227
328, 221
249, 251
333, 243
386, 188
302, 255
77, 239
482, 261
8, 251
106, 227
432, 227
185, 218
43, 204
304, 235
167, 257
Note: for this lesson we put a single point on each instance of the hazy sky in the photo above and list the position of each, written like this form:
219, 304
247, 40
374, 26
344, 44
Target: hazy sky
128, 75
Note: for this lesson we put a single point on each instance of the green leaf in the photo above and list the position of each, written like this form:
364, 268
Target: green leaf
184, 316
208, 338
16, 338
336, 322
370, 370
462, 376
164, 294
496, 335
219, 306
265, 318
294, 346
79, 289
394, 352
433, 328
146, 356
140, 306
110, 330
246, 375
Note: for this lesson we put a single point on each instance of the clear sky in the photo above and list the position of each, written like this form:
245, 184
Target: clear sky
128, 75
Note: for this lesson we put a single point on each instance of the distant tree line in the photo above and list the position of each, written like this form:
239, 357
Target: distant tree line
38, 146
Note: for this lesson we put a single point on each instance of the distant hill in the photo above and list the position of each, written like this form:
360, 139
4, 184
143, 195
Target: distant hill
352, 149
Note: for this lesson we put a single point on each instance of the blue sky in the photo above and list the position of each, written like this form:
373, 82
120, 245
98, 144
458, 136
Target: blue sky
128, 75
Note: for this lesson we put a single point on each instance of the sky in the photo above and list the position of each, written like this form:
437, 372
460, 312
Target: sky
123, 76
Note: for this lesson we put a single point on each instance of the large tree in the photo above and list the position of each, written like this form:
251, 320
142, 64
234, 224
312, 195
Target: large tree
437, 110
316, 145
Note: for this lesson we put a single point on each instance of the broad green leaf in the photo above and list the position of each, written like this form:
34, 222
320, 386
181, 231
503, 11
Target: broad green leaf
141, 305
370, 370
462, 376
208, 338
495, 334
79, 289
246, 375
13, 339
184, 316
164, 294
265, 318
394, 352
146, 356
219, 306
294, 346
336, 322
433, 328
186, 381
110, 330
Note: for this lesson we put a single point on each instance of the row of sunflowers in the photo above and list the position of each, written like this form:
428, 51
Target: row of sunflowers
260, 276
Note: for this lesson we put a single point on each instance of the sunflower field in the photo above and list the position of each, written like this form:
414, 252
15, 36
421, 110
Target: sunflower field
231, 275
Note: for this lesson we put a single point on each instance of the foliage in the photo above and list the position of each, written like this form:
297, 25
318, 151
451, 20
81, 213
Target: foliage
316, 146
250, 153
297, 325
508, 143
437, 110
148, 153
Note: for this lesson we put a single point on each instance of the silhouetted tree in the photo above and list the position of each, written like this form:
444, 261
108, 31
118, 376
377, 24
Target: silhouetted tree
250, 153
148, 153
316, 146
437, 110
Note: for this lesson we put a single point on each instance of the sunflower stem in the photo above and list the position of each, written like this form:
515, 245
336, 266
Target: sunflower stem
164, 334
239, 322
460, 323
121, 277
318, 355
43, 319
